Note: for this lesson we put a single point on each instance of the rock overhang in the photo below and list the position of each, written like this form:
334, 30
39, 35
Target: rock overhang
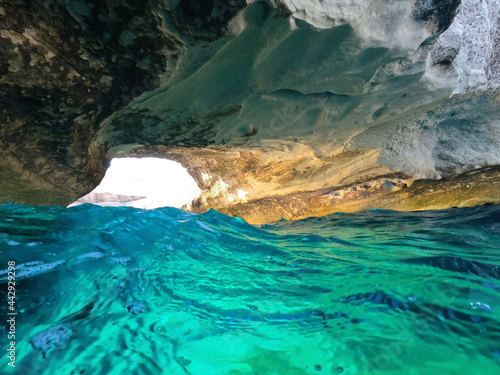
273, 99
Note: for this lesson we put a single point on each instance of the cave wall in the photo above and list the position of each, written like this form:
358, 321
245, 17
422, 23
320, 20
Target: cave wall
66, 66
260, 100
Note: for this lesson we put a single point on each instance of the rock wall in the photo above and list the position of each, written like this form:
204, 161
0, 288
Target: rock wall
259, 100
66, 66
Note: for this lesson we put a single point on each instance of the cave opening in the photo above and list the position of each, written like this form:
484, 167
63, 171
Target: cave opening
145, 182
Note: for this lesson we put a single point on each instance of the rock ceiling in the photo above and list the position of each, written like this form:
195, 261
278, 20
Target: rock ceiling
285, 108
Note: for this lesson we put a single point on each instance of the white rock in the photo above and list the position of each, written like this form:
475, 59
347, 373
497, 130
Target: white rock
473, 40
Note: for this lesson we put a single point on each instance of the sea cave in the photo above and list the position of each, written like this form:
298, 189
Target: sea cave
254, 187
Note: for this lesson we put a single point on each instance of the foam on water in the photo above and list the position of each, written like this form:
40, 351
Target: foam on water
104, 290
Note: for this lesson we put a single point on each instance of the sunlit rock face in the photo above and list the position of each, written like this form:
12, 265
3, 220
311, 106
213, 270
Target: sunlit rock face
261, 100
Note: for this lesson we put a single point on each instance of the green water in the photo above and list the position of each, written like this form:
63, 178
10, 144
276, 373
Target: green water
125, 291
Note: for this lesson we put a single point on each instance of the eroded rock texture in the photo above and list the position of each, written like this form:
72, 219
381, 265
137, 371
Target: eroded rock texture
65, 67
285, 108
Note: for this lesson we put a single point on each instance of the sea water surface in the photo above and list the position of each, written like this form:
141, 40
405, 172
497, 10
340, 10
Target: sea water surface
118, 290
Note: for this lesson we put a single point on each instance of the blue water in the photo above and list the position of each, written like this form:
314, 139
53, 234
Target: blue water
120, 290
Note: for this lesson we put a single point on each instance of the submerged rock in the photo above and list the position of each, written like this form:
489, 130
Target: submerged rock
136, 307
52, 338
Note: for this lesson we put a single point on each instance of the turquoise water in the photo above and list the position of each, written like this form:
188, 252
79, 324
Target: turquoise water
120, 290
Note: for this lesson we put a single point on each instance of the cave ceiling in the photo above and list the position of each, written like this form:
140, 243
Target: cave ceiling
280, 108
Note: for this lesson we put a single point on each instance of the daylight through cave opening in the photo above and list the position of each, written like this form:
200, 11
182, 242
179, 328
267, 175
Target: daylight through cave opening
143, 183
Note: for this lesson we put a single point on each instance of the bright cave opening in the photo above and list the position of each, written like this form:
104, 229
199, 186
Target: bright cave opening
143, 183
